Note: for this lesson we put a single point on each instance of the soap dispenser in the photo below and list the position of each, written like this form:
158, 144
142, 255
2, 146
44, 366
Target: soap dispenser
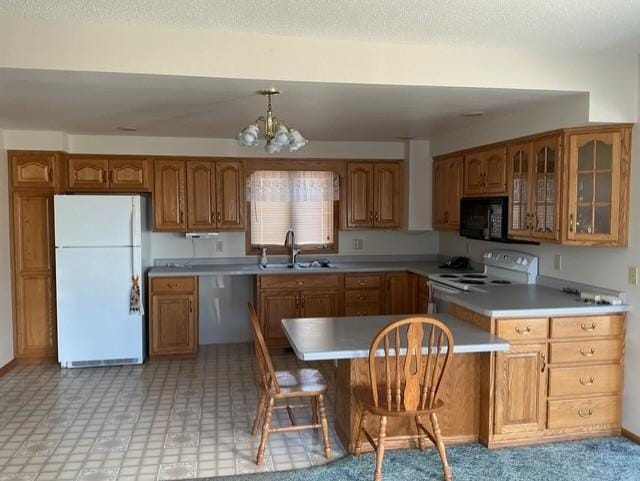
263, 258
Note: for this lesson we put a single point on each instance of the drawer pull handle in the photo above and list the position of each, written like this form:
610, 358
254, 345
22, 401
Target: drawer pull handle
544, 361
524, 331
172, 284
362, 283
584, 414
362, 298
591, 352
592, 327
587, 383
300, 283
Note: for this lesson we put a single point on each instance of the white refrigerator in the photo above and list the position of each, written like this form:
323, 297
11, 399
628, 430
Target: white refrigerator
98, 254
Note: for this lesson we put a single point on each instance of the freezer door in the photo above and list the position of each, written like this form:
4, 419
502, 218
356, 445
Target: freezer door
97, 220
94, 323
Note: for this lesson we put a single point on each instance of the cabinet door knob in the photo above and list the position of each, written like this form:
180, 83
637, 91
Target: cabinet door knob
219, 217
370, 216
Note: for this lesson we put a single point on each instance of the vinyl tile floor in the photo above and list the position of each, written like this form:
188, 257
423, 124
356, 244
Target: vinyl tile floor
164, 420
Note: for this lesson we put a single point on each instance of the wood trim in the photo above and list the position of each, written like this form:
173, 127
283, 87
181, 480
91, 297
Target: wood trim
536, 136
634, 438
553, 438
4, 370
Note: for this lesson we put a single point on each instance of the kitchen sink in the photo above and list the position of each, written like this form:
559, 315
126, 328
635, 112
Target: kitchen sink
299, 265
275, 267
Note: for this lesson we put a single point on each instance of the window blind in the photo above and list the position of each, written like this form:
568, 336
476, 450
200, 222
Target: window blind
298, 200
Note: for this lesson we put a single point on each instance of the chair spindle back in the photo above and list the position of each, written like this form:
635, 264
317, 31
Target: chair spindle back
412, 368
266, 372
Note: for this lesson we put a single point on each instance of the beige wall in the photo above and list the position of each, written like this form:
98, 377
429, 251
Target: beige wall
6, 318
605, 267
608, 77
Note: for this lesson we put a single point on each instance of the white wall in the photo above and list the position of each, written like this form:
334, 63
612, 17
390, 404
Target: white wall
6, 316
604, 267
609, 77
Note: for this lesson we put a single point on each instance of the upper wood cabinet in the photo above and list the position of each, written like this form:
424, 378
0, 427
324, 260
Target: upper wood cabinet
374, 195
485, 172
199, 195
598, 184
33, 275
201, 201
447, 192
534, 169
169, 195
33, 169
230, 195
99, 173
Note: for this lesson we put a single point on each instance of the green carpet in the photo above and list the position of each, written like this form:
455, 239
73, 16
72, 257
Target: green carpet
607, 459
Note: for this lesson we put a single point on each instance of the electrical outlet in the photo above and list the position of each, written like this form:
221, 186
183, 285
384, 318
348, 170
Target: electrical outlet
357, 243
219, 246
557, 262
633, 275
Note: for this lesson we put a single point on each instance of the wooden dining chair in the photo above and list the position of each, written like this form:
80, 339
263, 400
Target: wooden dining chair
406, 374
284, 386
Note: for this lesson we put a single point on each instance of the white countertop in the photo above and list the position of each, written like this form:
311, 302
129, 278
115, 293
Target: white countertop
527, 300
331, 338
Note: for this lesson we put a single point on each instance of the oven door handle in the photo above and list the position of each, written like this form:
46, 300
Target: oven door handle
444, 289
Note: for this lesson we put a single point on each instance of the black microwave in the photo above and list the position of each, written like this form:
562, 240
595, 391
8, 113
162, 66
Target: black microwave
485, 218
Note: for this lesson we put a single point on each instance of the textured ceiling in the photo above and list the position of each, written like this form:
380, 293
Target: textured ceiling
97, 103
529, 24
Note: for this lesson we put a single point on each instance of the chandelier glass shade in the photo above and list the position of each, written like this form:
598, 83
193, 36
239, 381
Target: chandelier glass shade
274, 131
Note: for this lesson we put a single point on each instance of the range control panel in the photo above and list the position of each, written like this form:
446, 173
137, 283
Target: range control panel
513, 260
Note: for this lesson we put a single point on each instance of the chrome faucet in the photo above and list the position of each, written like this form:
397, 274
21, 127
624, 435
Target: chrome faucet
290, 239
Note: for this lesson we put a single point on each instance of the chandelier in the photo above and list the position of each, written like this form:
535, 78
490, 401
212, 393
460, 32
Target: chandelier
277, 134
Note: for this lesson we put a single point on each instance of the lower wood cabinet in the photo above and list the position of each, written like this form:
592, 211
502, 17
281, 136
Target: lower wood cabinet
521, 389
401, 293
423, 295
173, 329
288, 296
363, 294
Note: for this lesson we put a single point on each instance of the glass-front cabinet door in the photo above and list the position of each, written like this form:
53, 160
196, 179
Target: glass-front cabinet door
546, 185
594, 186
519, 184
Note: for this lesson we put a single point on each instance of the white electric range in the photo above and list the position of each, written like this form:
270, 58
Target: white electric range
501, 268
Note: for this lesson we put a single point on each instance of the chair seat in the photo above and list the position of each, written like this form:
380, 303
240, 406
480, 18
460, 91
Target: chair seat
363, 395
301, 382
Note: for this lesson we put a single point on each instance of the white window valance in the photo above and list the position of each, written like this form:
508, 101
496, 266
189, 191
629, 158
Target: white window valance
293, 186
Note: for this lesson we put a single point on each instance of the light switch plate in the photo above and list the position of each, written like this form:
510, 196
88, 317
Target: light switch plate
219, 246
633, 275
557, 262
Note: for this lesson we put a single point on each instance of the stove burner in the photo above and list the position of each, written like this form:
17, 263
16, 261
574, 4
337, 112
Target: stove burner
471, 281
475, 276
449, 276
500, 281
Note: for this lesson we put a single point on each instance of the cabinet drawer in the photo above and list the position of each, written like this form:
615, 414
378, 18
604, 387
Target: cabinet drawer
361, 296
300, 282
523, 329
586, 351
583, 381
355, 281
592, 326
583, 412
364, 309
173, 284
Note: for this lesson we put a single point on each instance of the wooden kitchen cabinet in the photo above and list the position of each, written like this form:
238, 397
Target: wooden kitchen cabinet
173, 326
598, 183
289, 296
201, 200
87, 173
534, 168
230, 195
423, 295
447, 192
102, 173
374, 195
34, 169
521, 389
169, 195
34, 275
485, 172
401, 293
363, 294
